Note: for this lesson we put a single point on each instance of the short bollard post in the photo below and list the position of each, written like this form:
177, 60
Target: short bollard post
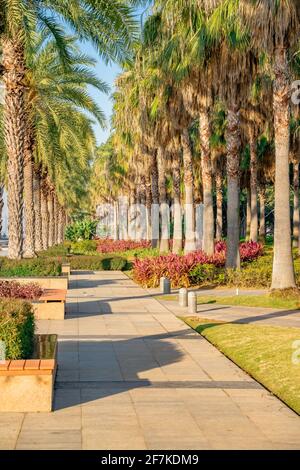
183, 297
165, 285
192, 302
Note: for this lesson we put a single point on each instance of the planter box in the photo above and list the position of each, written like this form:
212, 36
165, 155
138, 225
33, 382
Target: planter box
47, 282
51, 305
27, 385
66, 269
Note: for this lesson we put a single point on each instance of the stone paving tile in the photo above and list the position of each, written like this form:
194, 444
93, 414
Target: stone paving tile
133, 376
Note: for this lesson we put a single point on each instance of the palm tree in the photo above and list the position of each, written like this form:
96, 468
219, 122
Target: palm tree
279, 35
108, 25
50, 85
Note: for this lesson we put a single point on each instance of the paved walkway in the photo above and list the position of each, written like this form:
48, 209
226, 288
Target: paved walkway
220, 312
133, 376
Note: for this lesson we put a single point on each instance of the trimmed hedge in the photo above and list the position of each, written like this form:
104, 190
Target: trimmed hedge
17, 328
30, 267
98, 263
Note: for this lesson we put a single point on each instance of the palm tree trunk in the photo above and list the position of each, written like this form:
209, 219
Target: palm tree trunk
155, 203
262, 213
28, 197
50, 203
45, 218
296, 215
60, 225
190, 240
219, 202
283, 275
177, 235
38, 243
1, 208
253, 187
14, 132
148, 197
164, 207
55, 209
248, 214
233, 140
207, 181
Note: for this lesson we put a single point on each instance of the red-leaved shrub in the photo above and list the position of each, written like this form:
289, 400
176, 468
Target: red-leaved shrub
148, 271
107, 245
15, 290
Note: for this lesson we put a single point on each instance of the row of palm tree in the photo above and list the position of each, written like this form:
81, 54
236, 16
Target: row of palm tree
48, 141
205, 108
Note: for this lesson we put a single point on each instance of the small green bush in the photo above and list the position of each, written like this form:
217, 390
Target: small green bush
204, 273
17, 328
30, 267
255, 274
57, 250
98, 263
81, 230
83, 247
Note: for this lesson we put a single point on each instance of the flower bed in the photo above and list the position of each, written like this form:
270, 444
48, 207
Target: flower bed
108, 245
181, 269
15, 290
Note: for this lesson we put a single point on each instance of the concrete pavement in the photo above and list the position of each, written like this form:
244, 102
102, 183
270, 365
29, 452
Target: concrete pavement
133, 376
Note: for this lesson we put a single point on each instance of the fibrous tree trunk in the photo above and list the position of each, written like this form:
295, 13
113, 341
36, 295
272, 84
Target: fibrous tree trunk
55, 210
38, 243
283, 275
50, 203
207, 182
177, 235
190, 236
219, 202
296, 213
262, 213
29, 243
148, 196
253, 187
233, 141
60, 225
14, 133
164, 207
155, 202
45, 217
248, 214
1, 208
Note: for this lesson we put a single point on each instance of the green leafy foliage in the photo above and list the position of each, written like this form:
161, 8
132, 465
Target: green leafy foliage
30, 267
83, 247
81, 230
17, 328
205, 273
98, 263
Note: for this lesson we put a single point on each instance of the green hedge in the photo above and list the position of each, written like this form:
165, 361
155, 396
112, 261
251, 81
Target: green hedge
84, 247
17, 328
57, 250
30, 267
98, 263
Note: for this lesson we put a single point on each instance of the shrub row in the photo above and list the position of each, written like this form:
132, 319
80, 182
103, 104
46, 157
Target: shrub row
30, 267
98, 263
190, 269
15, 290
107, 245
17, 328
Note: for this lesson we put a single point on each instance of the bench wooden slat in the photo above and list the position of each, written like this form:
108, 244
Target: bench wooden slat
53, 295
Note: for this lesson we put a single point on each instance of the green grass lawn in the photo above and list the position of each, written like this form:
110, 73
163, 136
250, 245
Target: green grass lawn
264, 300
264, 352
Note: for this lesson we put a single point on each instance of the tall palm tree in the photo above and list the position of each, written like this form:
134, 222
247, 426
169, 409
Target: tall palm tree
108, 25
276, 25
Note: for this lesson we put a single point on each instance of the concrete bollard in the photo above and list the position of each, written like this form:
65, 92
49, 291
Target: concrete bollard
165, 285
183, 297
192, 302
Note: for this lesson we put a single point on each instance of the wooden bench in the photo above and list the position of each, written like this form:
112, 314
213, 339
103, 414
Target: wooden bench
51, 305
